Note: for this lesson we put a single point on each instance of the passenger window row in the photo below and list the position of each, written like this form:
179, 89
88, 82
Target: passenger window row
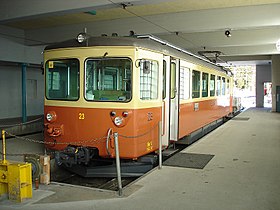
203, 84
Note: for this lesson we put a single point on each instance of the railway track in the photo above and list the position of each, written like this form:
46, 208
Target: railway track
64, 176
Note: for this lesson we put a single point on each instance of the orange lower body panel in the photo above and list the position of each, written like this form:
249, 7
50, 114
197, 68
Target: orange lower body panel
138, 134
88, 127
196, 115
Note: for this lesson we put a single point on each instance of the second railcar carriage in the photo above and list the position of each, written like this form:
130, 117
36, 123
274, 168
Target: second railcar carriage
97, 86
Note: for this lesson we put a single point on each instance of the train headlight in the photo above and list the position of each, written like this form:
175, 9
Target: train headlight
81, 37
118, 121
51, 116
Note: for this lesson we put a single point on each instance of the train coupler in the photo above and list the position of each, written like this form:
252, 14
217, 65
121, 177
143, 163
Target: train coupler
72, 155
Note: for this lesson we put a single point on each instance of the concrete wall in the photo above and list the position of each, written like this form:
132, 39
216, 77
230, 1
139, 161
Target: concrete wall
13, 52
35, 91
275, 78
263, 74
13, 48
10, 95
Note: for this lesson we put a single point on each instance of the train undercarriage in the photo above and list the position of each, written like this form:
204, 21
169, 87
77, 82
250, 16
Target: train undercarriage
86, 163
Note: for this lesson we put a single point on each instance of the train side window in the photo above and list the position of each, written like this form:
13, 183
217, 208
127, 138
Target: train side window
223, 86
148, 80
173, 80
195, 84
184, 83
212, 85
164, 80
218, 90
205, 77
228, 88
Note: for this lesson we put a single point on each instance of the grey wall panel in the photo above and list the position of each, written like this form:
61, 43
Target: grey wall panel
10, 86
35, 92
10, 94
263, 74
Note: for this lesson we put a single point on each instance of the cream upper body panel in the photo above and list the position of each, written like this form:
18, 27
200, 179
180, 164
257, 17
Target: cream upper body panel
135, 54
83, 53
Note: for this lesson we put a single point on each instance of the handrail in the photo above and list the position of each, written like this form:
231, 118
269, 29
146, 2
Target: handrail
118, 165
107, 141
160, 144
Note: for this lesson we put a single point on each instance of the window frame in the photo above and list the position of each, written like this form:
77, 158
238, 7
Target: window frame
207, 85
213, 93
199, 84
185, 83
218, 86
47, 77
223, 86
173, 80
141, 83
227, 86
108, 58
164, 68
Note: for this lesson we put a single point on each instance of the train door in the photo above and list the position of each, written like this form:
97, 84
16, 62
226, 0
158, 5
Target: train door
174, 99
166, 101
170, 95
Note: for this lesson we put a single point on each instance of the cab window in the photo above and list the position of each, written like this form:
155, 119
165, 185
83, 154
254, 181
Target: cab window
108, 79
62, 79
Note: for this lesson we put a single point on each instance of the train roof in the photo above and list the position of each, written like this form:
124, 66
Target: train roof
143, 41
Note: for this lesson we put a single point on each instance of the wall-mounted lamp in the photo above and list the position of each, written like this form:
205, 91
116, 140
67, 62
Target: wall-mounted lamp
227, 33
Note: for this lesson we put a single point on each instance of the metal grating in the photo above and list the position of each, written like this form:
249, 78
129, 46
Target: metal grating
189, 160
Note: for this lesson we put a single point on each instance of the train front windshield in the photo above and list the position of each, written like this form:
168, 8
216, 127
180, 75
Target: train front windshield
62, 79
108, 79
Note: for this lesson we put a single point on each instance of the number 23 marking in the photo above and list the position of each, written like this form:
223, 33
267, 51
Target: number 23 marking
81, 116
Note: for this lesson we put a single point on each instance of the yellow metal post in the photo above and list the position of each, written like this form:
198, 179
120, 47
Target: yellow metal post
3, 168
20, 181
15, 177
3, 146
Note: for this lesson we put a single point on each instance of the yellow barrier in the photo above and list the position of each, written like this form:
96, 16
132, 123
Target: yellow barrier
15, 177
3, 147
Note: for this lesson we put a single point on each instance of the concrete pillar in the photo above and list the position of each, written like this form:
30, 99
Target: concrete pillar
263, 74
275, 78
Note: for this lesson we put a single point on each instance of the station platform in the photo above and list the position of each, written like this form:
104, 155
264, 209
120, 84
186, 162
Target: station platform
16, 126
243, 174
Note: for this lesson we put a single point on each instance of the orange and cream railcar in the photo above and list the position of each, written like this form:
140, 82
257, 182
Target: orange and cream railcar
127, 85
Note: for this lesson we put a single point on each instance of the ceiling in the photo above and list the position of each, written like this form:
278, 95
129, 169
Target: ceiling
191, 24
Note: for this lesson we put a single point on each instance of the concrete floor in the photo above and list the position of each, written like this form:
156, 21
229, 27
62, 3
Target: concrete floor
244, 174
